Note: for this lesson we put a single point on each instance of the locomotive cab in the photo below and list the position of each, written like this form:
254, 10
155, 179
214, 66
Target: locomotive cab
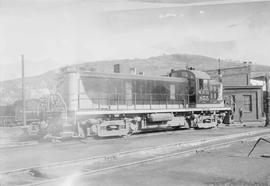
199, 86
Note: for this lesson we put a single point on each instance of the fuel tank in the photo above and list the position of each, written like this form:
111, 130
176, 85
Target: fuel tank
160, 117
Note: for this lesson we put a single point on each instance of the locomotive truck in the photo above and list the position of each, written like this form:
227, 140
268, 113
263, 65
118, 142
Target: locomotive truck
116, 104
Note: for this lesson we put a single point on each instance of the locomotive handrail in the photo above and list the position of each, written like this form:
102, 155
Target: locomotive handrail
136, 95
139, 94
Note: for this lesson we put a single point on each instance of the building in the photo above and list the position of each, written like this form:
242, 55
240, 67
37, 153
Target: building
249, 98
240, 93
236, 76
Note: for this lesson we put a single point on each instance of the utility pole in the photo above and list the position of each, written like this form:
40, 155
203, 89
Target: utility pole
219, 71
187, 66
267, 99
23, 96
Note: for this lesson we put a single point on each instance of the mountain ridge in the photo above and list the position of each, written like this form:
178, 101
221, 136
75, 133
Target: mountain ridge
156, 65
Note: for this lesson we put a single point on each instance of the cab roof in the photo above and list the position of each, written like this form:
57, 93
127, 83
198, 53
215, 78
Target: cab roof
200, 75
191, 74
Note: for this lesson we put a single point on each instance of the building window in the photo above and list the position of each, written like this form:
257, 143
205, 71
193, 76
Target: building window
247, 103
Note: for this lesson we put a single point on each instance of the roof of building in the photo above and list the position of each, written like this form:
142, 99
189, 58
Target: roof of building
258, 75
229, 68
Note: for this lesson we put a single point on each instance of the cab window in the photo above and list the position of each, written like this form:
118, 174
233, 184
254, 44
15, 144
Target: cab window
203, 84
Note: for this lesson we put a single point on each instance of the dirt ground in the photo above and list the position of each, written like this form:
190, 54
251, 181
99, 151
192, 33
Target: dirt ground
10, 134
228, 166
14, 136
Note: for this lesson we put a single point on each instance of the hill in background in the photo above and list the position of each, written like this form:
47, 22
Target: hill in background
160, 65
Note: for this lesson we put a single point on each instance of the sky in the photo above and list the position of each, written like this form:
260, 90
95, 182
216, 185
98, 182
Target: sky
55, 33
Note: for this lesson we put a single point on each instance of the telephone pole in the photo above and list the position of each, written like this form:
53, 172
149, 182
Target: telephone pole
267, 99
219, 71
23, 95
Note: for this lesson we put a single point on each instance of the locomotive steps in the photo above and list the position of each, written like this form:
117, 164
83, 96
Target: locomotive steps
61, 170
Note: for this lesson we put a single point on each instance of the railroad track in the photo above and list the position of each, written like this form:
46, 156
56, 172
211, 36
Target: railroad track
43, 175
91, 139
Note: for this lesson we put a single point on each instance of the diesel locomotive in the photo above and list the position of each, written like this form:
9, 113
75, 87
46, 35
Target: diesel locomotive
116, 104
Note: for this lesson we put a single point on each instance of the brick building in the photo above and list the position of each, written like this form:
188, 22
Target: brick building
240, 93
236, 76
249, 98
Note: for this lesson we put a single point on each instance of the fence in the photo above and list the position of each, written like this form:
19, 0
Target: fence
6, 121
16, 119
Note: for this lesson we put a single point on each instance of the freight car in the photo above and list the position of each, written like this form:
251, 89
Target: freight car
115, 104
